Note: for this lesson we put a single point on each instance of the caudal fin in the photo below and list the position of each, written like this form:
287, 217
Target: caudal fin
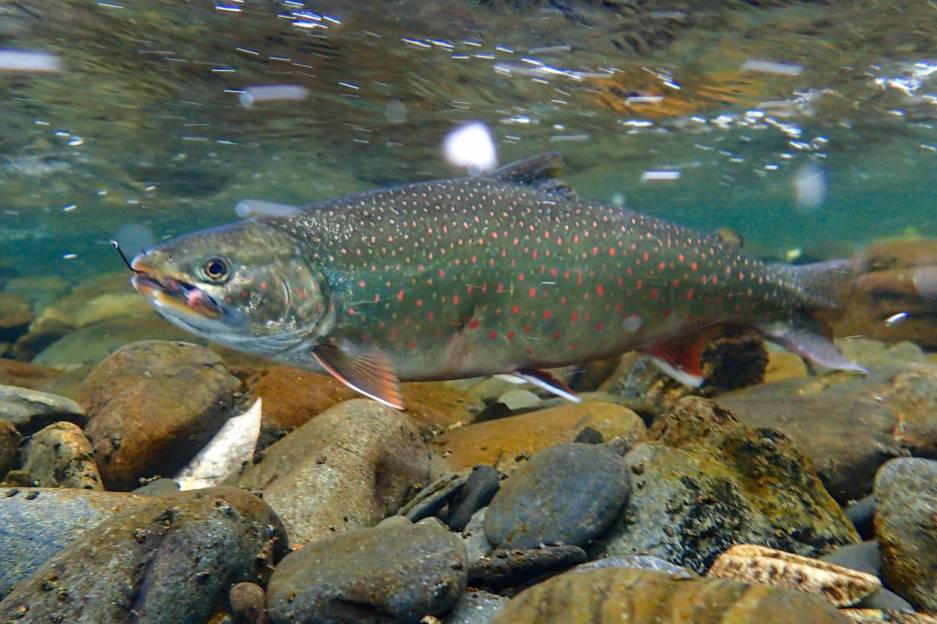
823, 285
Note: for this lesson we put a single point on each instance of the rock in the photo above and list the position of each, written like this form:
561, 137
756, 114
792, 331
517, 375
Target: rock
520, 400
173, 559
709, 482
480, 487
643, 597
248, 603
31, 410
26, 375
501, 569
433, 497
137, 422
864, 557
866, 420
38, 523
784, 365
437, 406
38, 291
354, 464
90, 345
473, 535
640, 562
15, 316
394, 573
61, 456
566, 494
886, 600
906, 526
501, 443
757, 565
475, 607
9, 445
158, 487
862, 513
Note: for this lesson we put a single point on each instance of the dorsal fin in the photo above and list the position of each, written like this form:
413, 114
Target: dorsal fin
541, 172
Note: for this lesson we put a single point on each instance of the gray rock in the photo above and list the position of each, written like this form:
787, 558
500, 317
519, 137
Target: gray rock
510, 568
473, 535
433, 497
480, 487
885, 600
864, 557
475, 607
862, 514
61, 456
566, 494
158, 487
709, 482
31, 410
170, 561
640, 562
346, 469
35, 524
152, 406
392, 573
906, 526
9, 445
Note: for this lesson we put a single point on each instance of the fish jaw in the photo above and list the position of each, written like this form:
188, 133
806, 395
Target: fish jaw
172, 294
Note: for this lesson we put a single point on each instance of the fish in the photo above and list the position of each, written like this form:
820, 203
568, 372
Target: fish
510, 273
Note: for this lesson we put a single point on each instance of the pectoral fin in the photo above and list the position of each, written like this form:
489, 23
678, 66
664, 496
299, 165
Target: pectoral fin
681, 358
369, 373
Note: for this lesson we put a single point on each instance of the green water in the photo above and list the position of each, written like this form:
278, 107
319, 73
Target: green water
141, 134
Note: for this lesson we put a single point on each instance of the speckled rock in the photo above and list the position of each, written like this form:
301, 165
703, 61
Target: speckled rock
31, 410
906, 526
501, 443
850, 424
171, 560
348, 468
397, 572
566, 494
61, 456
9, 444
709, 482
38, 523
137, 422
644, 597
475, 607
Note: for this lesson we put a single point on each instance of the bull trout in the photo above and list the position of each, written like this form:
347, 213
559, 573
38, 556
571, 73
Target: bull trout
509, 273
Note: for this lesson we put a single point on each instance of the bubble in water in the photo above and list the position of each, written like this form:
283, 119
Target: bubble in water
395, 112
809, 187
471, 146
257, 207
27, 61
272, 93
134, 238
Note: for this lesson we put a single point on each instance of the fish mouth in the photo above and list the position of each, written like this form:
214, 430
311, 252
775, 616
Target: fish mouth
175, 294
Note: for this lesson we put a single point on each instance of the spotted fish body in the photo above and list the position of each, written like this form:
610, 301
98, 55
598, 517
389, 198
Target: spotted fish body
484, 275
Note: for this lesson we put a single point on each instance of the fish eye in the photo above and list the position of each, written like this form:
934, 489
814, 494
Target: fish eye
215, 269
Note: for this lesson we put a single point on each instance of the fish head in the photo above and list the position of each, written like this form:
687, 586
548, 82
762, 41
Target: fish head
245, 285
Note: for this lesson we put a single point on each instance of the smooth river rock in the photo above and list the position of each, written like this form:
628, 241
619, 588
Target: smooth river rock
9, 445
566, 494
628, 596
348, 468
906, 526
708, 482
393, 573
61, 456
31, 410
171, 560
152, 405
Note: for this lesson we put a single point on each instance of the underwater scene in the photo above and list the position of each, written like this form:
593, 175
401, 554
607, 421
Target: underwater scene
468, 311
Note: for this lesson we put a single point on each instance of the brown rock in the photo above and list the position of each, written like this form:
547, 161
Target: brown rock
348, 468
61, 456
501, 443
757, 565
643, 597
9, 443
784, 365
248, 603
15, 317
152, 405
26, 375
873, 616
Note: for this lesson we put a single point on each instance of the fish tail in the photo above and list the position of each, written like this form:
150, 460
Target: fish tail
822, 285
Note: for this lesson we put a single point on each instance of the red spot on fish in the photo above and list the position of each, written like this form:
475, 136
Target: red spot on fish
515, 309
473, 324
419, 303
595, 251
675, 283
556, 335
599, 327
494, 235
559, 240
646, 256
618, 307
430, 316
621, 281
579, 279
693, 266
263, 285
352, 311
564, 300
442, 273
492, 334
532, 292
600, 290
393, 333
547, 315
576, 239
533, 254
741, 275
573, 346
455, 299
400, 295
411, 344
377, 298
520, 277
661, 265
474, 259
510, 335
681, 257
574, 316
689, 295
526, 329
361, 284
715, 280
553, 272
639, 284
629, 271
500, 288
653, 294
611, 251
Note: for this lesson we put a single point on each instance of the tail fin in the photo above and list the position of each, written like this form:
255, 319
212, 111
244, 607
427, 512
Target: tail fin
823, 285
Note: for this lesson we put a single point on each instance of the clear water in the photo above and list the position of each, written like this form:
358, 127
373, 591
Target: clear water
804, 126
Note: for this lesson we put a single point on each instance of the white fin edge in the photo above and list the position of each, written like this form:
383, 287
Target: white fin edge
694, 381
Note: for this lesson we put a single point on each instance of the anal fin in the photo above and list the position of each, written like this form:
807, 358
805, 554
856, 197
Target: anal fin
681, 358
545, 380
809, 339
369, 373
